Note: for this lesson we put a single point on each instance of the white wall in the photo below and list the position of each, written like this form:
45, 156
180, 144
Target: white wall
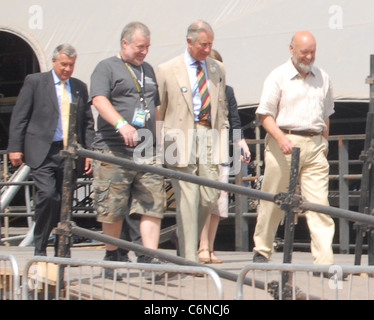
252, 35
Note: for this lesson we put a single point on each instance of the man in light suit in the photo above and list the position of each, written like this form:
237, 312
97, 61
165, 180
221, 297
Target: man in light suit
192, 144
36, 136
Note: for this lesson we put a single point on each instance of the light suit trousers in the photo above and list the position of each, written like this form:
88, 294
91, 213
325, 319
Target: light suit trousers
313, 180
194, 202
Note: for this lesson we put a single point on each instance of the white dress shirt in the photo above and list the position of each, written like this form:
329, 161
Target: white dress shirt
58, 134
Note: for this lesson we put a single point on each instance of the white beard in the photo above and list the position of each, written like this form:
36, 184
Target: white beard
301, 66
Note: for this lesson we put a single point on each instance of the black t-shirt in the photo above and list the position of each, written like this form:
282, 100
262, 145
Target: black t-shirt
112, 79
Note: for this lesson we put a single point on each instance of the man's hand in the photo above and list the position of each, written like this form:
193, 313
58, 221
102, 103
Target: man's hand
246, 154
88, 166
272, 128
16, 158
130, 135
285, 145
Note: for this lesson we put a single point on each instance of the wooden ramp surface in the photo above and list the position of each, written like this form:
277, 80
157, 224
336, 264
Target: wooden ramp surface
129, 288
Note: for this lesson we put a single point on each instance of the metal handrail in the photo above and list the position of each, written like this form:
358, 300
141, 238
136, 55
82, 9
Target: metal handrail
336, 212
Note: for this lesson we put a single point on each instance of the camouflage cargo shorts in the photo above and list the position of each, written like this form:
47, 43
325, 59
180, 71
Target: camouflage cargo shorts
116, 187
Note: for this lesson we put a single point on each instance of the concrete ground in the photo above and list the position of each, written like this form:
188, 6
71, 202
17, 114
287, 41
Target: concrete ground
355, 287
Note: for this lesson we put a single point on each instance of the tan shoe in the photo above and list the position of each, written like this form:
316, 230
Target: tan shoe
213, 258
204, 256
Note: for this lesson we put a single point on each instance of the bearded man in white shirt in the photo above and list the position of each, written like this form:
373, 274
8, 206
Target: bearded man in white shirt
296, 103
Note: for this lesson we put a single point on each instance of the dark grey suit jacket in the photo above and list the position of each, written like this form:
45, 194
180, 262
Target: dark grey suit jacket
36, 113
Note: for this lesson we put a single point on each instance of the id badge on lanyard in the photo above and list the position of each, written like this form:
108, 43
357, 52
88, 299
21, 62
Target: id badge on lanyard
142, 114
139, 118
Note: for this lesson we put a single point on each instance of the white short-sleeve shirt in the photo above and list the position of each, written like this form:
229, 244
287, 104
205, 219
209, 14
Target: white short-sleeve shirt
297, 103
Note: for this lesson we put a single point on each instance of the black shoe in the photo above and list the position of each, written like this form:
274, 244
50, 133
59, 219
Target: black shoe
259, 258
123, 257
149, 274
328, 275
318, 274
40, 253
110, 274
143, 259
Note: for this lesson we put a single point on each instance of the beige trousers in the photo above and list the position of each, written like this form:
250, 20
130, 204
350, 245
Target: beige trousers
313, 179
194, 202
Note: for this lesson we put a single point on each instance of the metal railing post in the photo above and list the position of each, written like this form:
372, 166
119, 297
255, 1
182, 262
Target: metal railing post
241, 223
289, 206
62, 231
343, 195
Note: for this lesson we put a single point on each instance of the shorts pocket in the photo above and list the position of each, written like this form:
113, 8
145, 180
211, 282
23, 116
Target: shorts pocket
100, 195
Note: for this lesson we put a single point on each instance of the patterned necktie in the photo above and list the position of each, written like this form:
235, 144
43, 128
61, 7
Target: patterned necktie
65, 112
204, 114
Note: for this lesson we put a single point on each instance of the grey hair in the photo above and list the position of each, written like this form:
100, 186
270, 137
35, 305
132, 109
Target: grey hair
66, 49
196, 27
129, 31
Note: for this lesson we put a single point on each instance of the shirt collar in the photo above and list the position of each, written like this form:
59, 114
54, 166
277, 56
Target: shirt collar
57, 80
191, 61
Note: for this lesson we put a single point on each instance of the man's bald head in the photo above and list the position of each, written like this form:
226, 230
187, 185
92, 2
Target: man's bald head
303, 37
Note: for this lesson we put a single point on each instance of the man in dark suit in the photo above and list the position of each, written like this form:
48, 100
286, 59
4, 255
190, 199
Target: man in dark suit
36, 136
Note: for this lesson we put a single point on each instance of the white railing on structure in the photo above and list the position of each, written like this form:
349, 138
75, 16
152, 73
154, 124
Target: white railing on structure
9, 278
306, 282
84, 280
9, 190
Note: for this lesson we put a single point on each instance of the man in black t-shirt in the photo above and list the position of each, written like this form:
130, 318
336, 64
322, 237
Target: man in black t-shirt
124, 92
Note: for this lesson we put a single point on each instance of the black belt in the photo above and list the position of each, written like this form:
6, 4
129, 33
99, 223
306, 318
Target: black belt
301, 132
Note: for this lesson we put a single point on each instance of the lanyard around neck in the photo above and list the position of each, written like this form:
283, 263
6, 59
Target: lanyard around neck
139, 84
136, 81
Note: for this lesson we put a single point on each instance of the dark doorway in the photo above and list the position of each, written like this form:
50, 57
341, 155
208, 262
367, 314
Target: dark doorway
17, 60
